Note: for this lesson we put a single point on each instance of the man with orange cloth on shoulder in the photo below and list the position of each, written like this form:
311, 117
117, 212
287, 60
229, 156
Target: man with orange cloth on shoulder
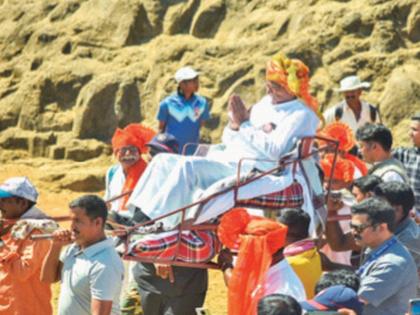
128, 145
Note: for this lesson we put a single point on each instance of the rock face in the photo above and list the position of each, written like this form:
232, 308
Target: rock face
71, 71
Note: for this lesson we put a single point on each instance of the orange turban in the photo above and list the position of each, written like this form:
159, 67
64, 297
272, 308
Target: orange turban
344, 169
292, 75
256, 240
134, 134
342, 133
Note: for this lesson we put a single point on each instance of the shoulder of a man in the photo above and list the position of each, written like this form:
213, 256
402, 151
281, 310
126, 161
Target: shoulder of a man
168, 99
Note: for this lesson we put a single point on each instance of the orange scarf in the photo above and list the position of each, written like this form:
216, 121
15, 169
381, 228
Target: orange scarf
257, 239
131, 179
360, 165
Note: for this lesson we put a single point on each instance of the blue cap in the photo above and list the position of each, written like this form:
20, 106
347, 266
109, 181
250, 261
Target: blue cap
334, 298
164, 142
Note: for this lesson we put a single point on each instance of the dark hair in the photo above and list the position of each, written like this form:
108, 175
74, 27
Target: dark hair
375, 133
377, 210
95, 207
279, 304
344, 277
367, 183
297, 222
397, 194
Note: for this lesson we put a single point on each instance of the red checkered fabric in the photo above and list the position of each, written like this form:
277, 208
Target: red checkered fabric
290, 197
194, 247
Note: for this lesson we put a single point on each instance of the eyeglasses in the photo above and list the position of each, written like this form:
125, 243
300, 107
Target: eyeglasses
359, 228
130, 149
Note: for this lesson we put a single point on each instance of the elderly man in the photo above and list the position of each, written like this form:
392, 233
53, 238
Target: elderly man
183, 113
352, 110
285, 114
388, 274
128, 145
90, 270
21, 291
410, 158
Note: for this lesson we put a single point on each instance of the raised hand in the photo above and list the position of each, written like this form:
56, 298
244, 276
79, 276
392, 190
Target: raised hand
62, 237
237, 112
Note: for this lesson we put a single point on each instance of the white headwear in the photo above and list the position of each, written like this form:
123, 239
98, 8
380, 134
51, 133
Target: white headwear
185, 73
352, 83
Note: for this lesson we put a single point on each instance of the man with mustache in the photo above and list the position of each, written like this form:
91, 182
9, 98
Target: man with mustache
128, 145
90, 270
352, 110
388, 273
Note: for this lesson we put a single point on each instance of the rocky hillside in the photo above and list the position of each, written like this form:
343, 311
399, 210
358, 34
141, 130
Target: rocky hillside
71, 71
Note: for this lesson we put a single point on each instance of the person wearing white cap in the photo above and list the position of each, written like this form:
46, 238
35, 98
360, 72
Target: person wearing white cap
352, 110
183, 113
21, 290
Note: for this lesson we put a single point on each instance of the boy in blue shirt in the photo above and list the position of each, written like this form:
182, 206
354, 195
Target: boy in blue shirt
184, 112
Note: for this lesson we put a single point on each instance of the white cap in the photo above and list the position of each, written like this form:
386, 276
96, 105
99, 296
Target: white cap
185, 73
352, 83
18, 187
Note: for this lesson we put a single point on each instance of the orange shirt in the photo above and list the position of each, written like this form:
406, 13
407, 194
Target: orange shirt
21, 291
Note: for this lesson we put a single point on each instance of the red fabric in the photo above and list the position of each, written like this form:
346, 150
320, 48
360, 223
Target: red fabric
134, 134
344, 169
257, 239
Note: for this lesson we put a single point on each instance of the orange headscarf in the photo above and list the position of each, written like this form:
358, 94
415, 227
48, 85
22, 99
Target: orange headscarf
344, 169
292, 75
256, 240
344, 135
138, 136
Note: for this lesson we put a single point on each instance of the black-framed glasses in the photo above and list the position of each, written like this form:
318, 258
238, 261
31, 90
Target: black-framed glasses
359, 228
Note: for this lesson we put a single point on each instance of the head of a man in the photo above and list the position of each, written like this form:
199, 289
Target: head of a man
352, 97
278, 304
88, 215
415, 130
344, 277
129, 143
163, 143
338, 176
363, 187
188, 81
372, 222
17, 195
375, 142
278, 93
399, 195
297, 222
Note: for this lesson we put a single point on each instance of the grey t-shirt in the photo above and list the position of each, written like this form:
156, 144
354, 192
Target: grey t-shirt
389, 282
95, 272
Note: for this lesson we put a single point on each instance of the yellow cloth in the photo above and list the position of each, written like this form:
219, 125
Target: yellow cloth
307, 266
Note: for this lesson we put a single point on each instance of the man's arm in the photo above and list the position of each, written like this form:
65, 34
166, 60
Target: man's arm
338, 240
51, 268
162, 126
99, 307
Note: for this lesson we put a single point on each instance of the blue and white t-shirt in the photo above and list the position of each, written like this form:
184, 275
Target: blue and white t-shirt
183, 117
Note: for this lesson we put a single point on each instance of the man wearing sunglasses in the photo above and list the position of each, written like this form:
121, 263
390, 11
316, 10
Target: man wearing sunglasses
388, 273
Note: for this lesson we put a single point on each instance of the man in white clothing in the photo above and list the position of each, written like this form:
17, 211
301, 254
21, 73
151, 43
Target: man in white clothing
352, 110
268, 132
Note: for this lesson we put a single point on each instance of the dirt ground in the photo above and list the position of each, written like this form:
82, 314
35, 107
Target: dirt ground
55, 203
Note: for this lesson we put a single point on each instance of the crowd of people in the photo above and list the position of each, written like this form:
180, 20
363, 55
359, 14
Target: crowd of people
362, 258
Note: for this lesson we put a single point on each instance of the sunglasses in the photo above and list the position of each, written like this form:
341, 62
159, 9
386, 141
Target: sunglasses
130, 149
359, 228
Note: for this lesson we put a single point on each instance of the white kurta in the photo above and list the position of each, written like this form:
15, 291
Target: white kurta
170, 181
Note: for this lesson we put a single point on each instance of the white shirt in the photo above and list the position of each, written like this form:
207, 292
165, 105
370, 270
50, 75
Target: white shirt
290, 121
282, 279
114, 187
348, 115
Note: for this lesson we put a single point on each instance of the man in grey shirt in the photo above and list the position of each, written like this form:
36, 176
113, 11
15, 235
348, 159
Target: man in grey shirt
90, 270
388, 273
